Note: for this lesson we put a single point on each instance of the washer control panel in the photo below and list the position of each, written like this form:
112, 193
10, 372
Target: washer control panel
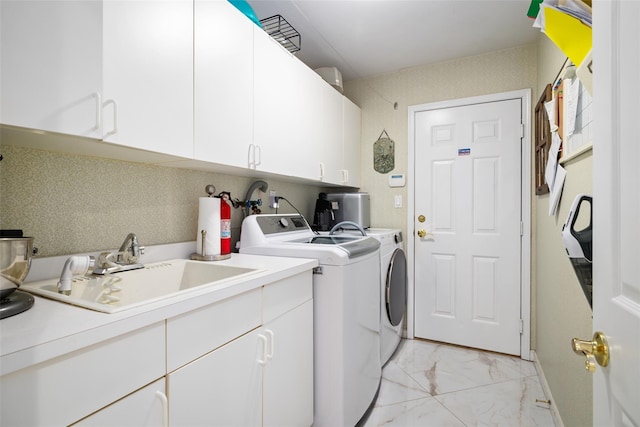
271, 224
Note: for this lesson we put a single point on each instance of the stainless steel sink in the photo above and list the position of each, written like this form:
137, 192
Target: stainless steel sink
120, 291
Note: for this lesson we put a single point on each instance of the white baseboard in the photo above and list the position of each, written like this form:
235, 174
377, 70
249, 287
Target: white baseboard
547, 391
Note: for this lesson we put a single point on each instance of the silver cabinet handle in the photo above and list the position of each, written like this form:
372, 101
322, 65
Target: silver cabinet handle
98, 123
114, 130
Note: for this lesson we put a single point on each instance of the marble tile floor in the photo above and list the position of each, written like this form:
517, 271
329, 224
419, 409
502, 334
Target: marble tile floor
432, 384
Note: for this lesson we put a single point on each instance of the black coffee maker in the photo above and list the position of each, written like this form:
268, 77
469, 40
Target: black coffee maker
323, 218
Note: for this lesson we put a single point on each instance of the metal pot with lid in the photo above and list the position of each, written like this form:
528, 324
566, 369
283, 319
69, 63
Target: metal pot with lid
15, 261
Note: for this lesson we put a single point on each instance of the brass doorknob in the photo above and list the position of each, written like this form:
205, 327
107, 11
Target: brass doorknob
597, 349
422, 233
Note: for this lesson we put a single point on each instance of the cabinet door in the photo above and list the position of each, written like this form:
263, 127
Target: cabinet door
326, 127
223, 84
351, 140
51, 65
288, 375
146, 407
148, 75
282, 111
222, 388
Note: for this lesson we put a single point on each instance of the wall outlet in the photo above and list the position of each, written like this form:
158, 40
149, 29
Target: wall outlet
273, 202
397, 201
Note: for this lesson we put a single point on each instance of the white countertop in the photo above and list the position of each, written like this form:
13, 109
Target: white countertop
51, 328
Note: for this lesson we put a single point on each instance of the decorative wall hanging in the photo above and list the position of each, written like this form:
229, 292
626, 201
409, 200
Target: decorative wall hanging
383, 154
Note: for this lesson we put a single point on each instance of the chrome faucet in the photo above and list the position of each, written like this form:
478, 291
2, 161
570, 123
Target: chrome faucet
126, 258
130, 250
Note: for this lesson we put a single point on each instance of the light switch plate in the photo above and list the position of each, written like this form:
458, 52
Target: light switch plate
397, 201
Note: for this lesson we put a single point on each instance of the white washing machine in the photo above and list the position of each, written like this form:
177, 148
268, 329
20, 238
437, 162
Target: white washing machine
393, 287
346, 305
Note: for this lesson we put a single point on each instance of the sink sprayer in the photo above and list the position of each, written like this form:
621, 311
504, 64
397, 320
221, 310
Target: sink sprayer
78, 264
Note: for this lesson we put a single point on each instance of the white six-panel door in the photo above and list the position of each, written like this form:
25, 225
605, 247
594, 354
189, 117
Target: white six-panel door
616, 210
468, 189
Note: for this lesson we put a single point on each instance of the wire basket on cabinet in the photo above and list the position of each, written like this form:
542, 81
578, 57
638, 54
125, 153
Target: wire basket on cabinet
278, 28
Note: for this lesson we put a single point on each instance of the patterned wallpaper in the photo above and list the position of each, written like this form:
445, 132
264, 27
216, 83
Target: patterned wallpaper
75, 204
501, 71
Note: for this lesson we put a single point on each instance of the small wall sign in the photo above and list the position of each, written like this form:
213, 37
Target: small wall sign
383, 154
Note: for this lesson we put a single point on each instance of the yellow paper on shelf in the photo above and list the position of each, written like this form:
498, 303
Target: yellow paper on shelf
568, 33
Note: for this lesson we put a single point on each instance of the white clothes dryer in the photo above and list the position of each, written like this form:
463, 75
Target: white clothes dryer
393, 287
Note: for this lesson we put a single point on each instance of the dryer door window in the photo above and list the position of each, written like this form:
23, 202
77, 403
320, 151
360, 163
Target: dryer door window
396, 287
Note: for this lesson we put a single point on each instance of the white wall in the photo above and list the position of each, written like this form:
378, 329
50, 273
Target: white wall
562, 311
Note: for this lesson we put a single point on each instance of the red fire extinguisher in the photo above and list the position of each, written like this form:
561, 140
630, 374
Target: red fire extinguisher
225, 224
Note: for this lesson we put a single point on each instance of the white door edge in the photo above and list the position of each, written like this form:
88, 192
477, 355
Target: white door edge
525, 206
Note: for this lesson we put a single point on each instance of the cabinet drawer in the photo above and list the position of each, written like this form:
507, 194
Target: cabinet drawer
144, 408
287, 294
70, 387
193, 334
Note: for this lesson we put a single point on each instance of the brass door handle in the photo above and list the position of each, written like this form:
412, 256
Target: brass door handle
423, 233
597, 349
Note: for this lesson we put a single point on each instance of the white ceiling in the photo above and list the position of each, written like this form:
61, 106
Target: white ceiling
368, 37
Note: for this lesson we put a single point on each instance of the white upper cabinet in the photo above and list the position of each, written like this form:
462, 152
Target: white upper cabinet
121, 71
351, 144
223, 84
327, 129
195, 79
51, 67
148, 75
299, 121
292, 117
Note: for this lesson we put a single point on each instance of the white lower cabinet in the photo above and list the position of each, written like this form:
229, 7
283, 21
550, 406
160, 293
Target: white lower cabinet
222, 388
246, 360
263, 377
288, 374
147, 407
67, 389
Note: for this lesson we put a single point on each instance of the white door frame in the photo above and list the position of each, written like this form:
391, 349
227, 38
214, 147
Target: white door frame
525, 207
